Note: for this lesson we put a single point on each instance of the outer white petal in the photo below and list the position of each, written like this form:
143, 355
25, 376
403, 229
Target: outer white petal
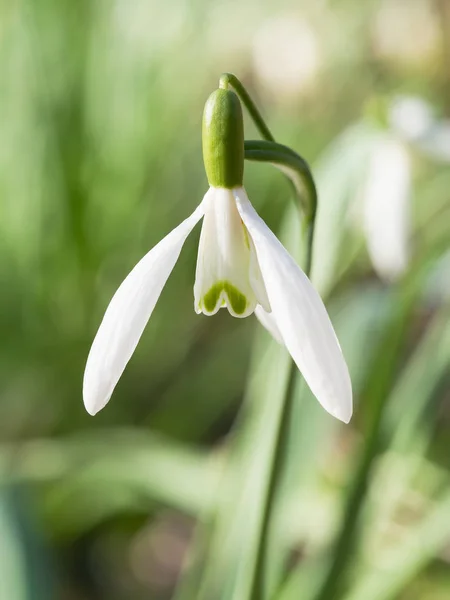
411, 117
386, 208
256, 279
128, 313
301, 317
268, 321
436, 142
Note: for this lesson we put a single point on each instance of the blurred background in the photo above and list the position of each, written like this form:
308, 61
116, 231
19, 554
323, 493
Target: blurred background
100, 156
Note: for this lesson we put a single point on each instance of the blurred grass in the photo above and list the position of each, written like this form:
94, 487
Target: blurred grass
100, 156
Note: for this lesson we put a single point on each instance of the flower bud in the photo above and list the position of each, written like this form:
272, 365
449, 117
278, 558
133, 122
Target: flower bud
223, 140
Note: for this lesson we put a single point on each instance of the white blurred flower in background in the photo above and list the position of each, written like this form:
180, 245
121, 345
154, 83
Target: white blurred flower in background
406, 32
286, 56
365, 183
386, 207
410, 116
413, 119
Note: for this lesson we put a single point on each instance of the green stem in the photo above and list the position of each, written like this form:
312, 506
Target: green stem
299, 174
275, 464
227, 79
308, 236
283, 157
293, 166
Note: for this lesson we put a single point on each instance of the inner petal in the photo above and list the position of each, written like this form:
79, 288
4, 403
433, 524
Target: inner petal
225, 266
223, 293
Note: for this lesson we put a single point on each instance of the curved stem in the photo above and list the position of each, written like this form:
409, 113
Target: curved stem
293, 166
227, 79
308, 235
267, 150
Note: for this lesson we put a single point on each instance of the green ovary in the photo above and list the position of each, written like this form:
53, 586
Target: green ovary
236, 299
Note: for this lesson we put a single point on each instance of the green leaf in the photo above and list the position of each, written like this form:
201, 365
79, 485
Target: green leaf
402, 563
111, 472
409, 424
425, 369
13, 580
25, 569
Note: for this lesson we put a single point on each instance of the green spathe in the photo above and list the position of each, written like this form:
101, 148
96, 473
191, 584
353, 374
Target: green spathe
236, 299
223, 140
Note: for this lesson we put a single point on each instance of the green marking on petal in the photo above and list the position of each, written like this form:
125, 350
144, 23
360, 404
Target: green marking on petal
236, 299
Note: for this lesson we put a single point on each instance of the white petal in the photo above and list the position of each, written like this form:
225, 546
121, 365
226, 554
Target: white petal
223, 266
256, 278
410, 116
268, 321
128, 313
436, 143
387, 197
301, 317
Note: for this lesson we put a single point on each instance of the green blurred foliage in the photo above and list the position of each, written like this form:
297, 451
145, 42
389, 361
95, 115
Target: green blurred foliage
100, 157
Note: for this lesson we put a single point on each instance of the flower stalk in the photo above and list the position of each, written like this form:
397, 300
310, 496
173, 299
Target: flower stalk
296, 169
228, 79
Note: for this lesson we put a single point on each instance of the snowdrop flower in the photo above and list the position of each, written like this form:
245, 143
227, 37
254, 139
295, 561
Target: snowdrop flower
365, 190
386, 204
286, 57
410, 117
414, 121
241, 266
405, 34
